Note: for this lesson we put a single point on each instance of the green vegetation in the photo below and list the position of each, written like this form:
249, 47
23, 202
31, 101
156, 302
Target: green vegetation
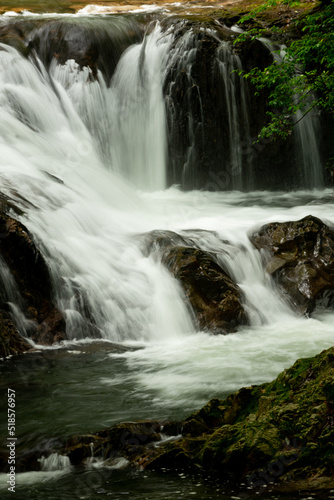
303, 78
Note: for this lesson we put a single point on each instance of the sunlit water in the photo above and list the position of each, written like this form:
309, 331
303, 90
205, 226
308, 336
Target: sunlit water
88, 216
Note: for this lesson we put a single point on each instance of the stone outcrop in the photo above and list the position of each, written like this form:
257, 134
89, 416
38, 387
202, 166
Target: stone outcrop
97, 46
300, 257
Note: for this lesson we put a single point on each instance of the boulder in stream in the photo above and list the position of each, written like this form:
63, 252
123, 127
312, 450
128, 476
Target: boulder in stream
214, 297
300, 257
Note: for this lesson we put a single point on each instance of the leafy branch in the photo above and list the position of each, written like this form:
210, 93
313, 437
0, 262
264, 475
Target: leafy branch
303, 78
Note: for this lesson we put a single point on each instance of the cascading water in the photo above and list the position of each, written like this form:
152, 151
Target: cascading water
111, 280
239, 167
306, 134
86, 159
66, 140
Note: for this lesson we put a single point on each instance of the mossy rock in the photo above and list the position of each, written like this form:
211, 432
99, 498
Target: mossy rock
283, 430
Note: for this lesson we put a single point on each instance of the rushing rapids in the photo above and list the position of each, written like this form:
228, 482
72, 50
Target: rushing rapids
104, 122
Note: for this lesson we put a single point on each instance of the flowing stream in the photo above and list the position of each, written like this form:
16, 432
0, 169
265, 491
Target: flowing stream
86, 162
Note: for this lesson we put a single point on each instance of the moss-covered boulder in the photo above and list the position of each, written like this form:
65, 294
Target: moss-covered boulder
281, 431
300, 257
278, 433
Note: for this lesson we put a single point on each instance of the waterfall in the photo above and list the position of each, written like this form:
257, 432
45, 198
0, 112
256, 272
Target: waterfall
138, 134
208, 113
115, 129
79, 210
126, 119
235, 92
76, 148
307, 133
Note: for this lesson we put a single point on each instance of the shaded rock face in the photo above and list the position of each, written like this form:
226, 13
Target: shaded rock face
31, 282
300, 257
214, 297
211, 146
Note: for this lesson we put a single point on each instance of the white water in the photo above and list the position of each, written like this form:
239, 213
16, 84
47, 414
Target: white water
56, 164
235, 94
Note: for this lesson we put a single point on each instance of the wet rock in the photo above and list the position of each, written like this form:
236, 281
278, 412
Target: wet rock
13, 35
214, 297
159, 240
31, 281
11, 342
300, 257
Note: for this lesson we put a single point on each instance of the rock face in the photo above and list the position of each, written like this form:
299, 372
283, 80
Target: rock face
214, 297
300, 257
30, 287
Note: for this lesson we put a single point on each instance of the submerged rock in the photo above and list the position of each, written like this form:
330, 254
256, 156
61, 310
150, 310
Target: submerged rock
132, 441
300, 257
214, 297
